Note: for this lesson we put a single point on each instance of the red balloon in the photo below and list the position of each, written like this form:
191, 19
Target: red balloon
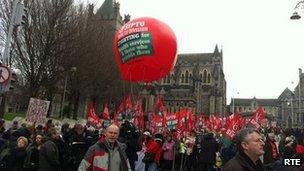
145, 50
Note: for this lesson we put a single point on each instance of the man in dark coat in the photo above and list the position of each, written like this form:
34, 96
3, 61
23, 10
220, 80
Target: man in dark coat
271, 151
49, 153
251, 146
207, 154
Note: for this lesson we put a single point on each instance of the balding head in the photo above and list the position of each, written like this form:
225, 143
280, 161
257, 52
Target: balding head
112, 133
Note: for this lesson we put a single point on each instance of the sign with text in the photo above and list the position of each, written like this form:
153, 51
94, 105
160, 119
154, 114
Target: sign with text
134, 45
37, 111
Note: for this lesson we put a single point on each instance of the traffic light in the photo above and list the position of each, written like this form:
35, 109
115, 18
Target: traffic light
20, 15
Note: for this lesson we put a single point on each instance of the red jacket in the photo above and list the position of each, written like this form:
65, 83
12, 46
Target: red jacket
97, 157
300, 149
155, 147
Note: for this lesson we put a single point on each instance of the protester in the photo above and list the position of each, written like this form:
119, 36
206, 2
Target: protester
49, 153
17, 155
271, 154
251, 146
154, 153
207, 155
168, 155
31, 162
107, 154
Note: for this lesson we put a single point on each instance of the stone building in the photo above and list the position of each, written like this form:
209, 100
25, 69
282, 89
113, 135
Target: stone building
246, 107
197, 82
291, 105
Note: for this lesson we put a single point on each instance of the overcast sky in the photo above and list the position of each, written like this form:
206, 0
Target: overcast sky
262, 47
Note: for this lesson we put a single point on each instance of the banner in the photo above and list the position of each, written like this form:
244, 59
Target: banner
37, 111
93, 118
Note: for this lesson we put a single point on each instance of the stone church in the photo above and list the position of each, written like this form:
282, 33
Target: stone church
197, 82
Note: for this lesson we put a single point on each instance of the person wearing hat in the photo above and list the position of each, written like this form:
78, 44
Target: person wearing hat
17, 155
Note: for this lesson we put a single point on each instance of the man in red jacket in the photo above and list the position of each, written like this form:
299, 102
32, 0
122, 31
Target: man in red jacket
107, 154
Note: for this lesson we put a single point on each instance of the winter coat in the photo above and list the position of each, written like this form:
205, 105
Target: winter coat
98, 156
209, 147
241, 162
31, 161
16, 159
78, 148
49, 157
268, 157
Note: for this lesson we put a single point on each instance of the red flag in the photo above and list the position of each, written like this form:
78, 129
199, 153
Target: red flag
92, 116
233, 126
128, 102
159, 106
258, 117
106, 114
139, 114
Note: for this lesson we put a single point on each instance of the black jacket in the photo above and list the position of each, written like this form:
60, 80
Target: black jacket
16, 159
49, 157
241, 162
208, 150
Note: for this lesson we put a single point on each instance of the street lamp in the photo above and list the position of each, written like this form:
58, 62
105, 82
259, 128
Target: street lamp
72, 70
295, 15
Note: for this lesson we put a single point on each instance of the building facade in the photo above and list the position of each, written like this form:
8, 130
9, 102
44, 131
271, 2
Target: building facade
246, 107
197, 82
291, 105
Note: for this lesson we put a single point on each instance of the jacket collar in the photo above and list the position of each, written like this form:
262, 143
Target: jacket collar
248, 164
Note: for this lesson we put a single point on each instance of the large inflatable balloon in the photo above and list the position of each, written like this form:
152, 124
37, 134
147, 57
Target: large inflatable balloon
145, 50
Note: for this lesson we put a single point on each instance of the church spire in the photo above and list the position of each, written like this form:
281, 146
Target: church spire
216, 51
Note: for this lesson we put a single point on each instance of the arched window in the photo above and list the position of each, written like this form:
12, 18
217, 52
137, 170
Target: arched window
205, 76
201, 76
168, 79
209, 78
187, 76
182, 78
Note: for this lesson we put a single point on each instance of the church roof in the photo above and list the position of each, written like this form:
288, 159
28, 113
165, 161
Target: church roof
286, 94
260, 102
195, 57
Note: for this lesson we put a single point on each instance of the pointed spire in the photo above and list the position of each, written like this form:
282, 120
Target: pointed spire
216, 51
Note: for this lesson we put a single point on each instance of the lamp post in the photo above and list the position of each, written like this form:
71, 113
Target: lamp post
299, 87
71, 69
299, 6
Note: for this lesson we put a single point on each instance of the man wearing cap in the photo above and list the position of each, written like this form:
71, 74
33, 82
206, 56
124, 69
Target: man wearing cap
251, 146
107, 154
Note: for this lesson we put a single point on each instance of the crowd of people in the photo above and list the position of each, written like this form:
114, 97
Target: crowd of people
58, 147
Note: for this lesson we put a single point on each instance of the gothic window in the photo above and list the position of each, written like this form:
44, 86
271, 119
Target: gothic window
187, 76
205, 76
201, 76
168, 79
182, 78
209, 78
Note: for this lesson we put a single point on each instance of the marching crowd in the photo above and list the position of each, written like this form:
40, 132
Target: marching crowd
52, 147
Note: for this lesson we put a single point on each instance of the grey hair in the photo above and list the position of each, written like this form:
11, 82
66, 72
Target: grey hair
243, 134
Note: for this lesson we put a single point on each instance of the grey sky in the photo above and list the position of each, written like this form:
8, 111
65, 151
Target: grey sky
262, 47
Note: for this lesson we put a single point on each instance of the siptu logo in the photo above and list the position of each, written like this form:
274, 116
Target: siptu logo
292, 162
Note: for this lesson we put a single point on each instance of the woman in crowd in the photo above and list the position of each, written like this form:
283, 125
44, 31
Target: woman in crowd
17, 155
31, 162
